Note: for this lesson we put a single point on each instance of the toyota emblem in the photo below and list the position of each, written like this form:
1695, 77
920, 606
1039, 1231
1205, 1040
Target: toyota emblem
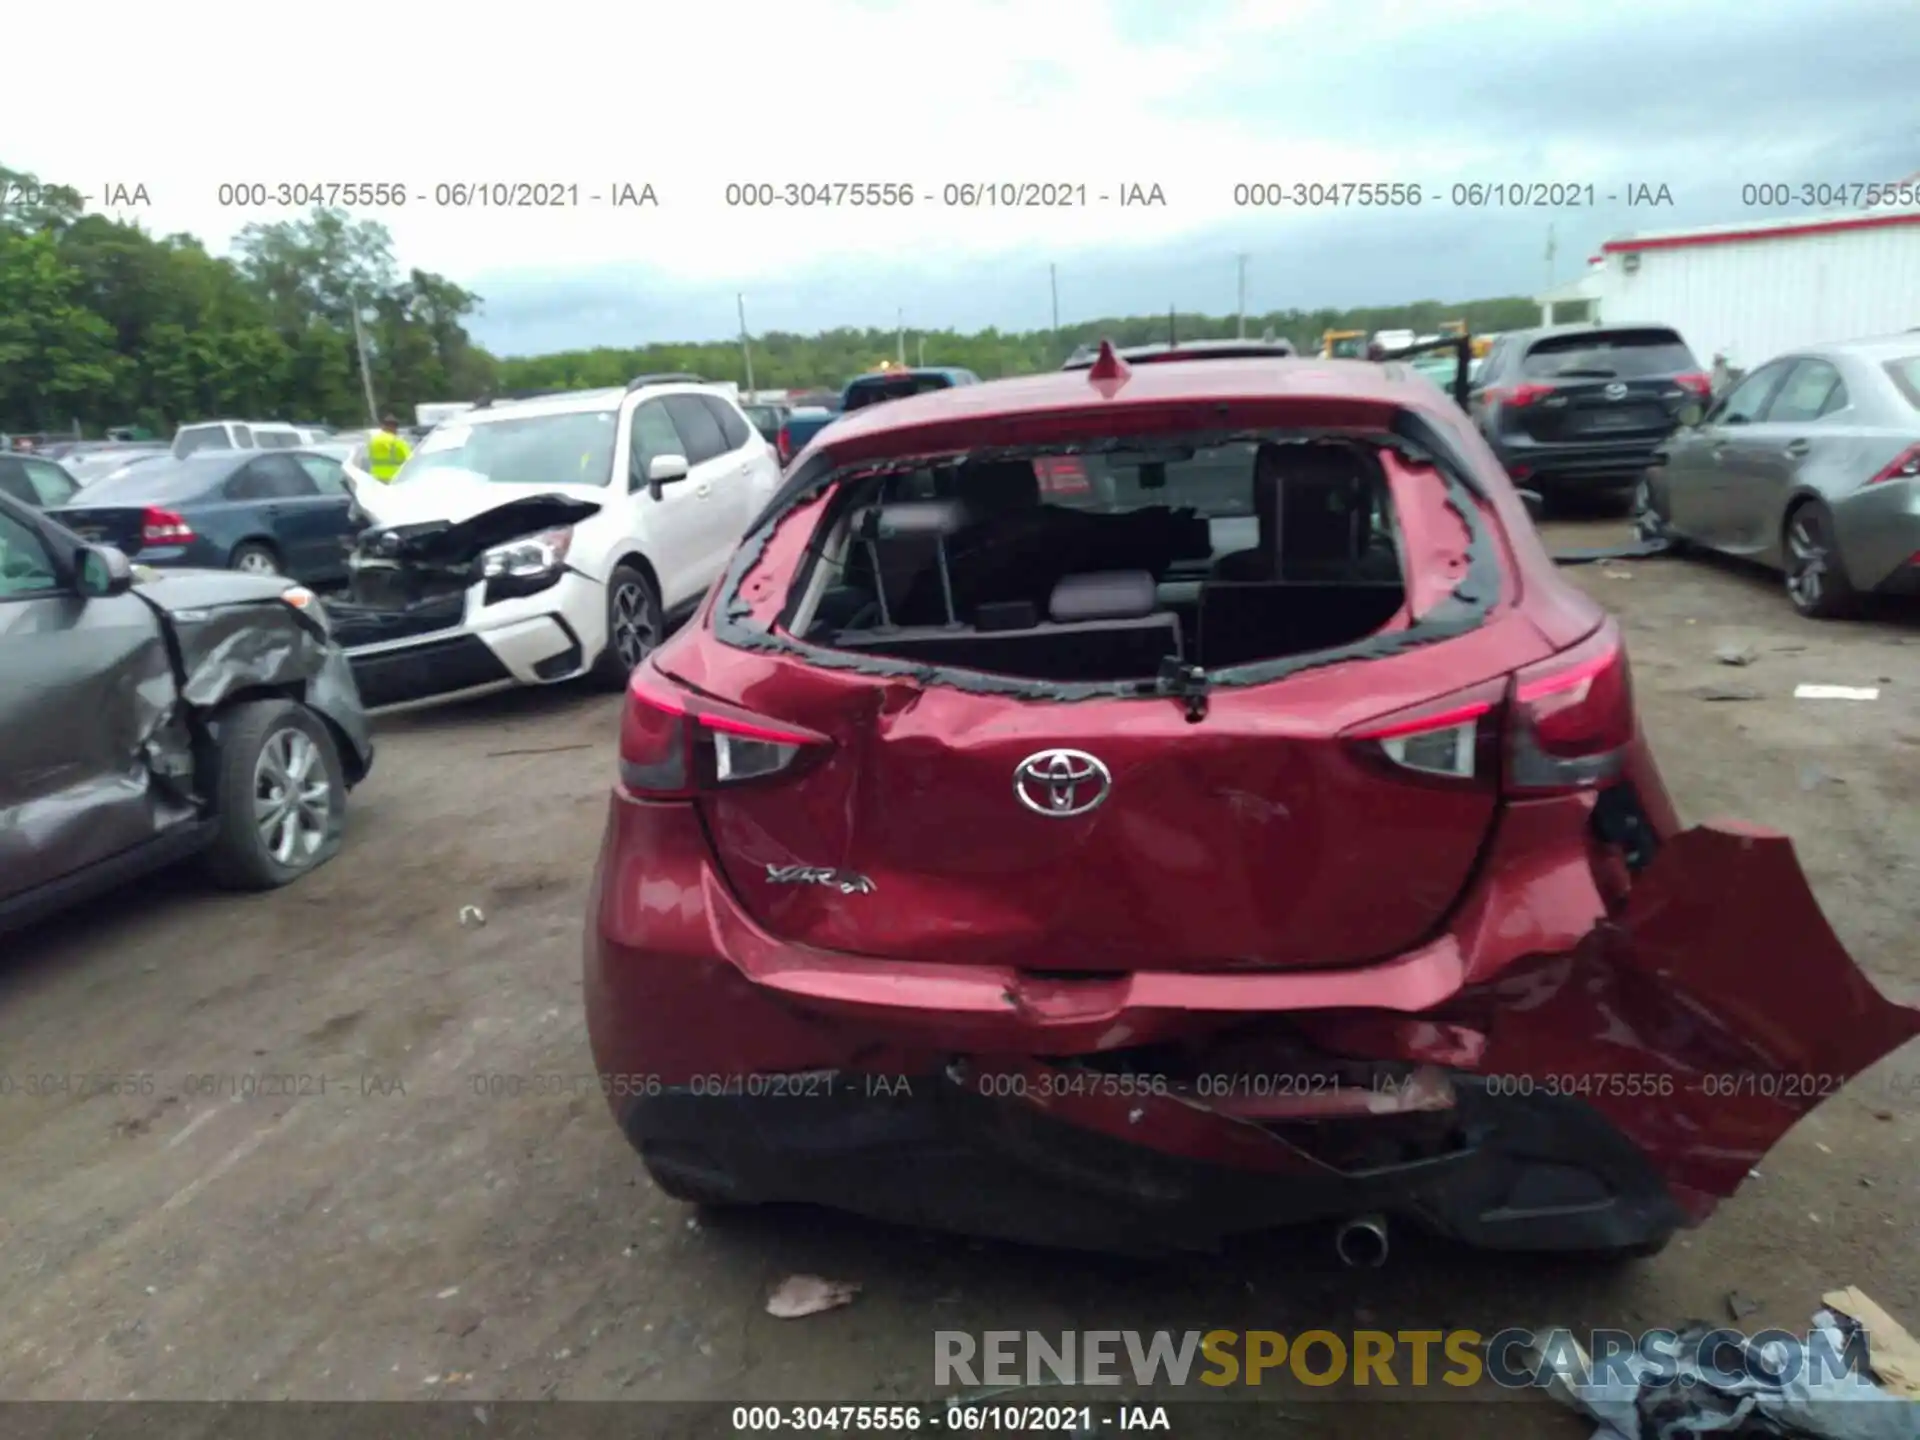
1616, 391
1061, 783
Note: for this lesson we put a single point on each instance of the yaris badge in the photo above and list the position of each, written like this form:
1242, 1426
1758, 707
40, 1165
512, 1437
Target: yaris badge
1061, 783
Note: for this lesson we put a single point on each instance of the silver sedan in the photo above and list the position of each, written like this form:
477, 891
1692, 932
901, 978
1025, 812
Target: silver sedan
1810, 464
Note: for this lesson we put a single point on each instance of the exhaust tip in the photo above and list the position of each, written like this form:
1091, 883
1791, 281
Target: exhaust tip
1361, 1243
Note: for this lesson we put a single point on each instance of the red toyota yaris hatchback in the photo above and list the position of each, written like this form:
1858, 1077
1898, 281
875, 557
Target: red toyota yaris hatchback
1121, 808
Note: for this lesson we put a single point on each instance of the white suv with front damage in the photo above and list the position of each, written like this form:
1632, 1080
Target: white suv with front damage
536, 541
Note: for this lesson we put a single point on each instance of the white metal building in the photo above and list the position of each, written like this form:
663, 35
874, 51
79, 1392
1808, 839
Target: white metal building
1750, 291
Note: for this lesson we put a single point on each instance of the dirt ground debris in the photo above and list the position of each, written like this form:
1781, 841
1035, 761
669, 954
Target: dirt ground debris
414, 1231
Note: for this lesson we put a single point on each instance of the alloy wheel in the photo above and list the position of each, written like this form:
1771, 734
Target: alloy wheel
636, 629
1807, 561
292, 797
256, 562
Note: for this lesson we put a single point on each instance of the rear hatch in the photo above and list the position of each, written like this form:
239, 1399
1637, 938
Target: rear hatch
1334, 816
1601, 385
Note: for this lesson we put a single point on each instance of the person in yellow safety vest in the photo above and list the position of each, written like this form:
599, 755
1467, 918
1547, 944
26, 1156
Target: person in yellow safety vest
386, 451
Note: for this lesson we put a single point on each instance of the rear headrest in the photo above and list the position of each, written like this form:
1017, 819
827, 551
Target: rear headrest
994, 487
1310, 464
1103, 595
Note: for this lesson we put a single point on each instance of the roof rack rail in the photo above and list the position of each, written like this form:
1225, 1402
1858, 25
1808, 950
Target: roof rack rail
669, 377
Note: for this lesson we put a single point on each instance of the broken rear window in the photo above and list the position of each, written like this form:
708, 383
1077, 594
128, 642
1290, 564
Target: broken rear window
1106, 565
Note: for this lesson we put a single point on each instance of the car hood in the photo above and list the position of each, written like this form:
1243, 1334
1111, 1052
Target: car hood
460, 539
178, 591
457, 495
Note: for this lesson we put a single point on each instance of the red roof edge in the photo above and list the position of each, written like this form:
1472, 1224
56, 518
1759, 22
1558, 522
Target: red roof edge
1774, 232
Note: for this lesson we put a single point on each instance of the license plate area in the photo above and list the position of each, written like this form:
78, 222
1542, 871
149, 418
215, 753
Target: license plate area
1631, 417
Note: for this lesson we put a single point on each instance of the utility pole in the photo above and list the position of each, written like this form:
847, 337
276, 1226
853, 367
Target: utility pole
922, 361
900, 337
746, 345
1053, 284
1550, 253
1243, 296
366, 370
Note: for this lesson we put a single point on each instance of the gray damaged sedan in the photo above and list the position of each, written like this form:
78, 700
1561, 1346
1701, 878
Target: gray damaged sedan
150, 716
1811, 465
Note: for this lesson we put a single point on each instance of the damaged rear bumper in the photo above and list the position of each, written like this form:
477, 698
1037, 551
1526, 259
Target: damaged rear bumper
1532, 1172
1577, 464
1580, 1061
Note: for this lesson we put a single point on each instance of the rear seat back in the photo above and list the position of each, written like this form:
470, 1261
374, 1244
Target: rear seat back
1103, 625
1104, 595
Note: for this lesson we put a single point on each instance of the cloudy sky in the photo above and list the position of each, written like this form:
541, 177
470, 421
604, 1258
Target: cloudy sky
1194, 96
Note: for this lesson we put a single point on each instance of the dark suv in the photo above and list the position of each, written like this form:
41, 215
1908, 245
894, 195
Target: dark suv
1583, 407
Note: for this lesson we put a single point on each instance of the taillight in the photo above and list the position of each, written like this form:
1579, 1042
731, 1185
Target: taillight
1062, 475
675, 744
1701, 385
1906, 467
1523, 394
1455, 737
164, 527
1572, 717
783, 443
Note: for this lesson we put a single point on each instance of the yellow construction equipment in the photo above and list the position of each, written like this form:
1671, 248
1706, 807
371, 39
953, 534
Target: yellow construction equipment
1343, 345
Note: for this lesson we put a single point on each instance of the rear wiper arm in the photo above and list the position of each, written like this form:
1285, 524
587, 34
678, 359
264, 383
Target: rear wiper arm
1187, 683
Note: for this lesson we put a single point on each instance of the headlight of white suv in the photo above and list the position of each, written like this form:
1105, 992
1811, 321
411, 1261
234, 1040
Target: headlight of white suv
527, 559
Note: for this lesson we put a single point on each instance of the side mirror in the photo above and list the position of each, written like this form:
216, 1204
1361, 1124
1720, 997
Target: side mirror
1692, 413
1536, 504
103, 571
664, 470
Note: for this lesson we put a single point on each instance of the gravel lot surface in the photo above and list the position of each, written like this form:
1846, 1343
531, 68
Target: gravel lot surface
397, 1230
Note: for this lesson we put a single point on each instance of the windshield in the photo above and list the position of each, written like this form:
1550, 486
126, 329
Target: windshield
568, 449
1612, 355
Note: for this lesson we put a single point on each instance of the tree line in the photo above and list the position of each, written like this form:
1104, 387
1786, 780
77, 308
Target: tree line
103, 324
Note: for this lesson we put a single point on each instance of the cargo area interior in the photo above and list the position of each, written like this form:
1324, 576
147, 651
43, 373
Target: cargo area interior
1106, 566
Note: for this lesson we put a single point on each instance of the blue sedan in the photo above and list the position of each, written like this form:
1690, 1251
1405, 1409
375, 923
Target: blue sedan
286, 512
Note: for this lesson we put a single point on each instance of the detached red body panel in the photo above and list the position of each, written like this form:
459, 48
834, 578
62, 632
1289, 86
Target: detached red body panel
1409, 927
